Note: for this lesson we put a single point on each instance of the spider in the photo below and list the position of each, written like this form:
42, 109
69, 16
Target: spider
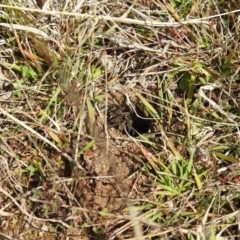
120, 117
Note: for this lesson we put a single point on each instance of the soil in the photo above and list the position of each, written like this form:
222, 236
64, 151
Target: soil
111, 167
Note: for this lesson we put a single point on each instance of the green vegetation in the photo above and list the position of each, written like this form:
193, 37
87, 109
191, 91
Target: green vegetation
119, 120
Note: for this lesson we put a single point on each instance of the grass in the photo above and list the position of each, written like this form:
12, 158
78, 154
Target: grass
173, 70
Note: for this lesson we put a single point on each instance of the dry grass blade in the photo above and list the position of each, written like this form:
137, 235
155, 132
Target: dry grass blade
21, 208
119, 119
116, 19
29, 30
35, 133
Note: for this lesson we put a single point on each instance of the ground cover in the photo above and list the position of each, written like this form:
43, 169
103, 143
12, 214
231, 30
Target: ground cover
119, 119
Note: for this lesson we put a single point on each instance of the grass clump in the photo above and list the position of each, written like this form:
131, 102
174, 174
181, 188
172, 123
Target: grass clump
119, 120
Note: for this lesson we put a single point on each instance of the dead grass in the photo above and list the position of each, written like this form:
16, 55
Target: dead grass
119, 120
